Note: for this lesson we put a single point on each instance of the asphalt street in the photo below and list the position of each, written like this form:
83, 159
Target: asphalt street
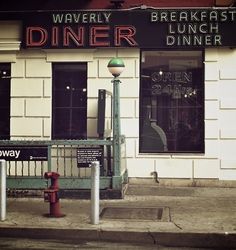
49, 244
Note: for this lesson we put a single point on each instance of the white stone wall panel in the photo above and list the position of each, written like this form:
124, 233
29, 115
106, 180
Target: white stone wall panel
92, 128
93, 69
47, 127
211, 55
212, 149
18, 69
24, 127
141, 167
228, 164
47, 88
130, 147
227, 149
108, 53
95, 84
17, 107
38, 68
70, 56
211, 90
227, 124
227, 175
211, 71
211, 129
130, 127
129, 88
227, 88
38, 107
228, 103
92, 108
211, 109
7, 57
26, 88
206, 168
174, 168
127, 108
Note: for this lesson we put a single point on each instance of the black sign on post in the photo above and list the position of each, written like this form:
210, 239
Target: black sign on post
21, 153
86, 155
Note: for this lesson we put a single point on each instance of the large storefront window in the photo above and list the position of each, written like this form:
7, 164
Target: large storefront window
69, 118
172, 102
5, 78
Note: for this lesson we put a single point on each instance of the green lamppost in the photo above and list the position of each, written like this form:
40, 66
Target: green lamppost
116, 67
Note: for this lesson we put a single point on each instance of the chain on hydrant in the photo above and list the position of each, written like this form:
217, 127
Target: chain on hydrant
51, 195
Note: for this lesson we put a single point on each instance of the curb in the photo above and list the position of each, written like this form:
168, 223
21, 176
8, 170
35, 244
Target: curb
171, 239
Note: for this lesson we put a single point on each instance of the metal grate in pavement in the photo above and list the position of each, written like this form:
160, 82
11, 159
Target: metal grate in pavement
136, 213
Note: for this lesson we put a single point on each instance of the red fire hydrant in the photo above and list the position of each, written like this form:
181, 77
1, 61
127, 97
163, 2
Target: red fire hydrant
51, 195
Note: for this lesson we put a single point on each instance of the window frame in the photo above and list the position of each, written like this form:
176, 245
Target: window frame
202, 140
7, 102
55, 135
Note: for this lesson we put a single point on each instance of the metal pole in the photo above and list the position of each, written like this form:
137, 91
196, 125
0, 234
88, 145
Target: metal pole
116, 126
3, 189
95, 176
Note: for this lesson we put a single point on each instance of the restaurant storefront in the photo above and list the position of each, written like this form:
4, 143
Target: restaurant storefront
177, 102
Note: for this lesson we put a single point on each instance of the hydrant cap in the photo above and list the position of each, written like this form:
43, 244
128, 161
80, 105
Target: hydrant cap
53, 175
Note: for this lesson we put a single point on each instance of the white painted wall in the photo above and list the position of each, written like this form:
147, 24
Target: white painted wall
31, 87
31, 96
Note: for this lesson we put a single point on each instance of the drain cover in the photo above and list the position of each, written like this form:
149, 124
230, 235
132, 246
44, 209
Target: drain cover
136, 213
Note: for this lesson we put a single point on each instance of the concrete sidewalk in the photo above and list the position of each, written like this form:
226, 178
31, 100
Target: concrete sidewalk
187, 217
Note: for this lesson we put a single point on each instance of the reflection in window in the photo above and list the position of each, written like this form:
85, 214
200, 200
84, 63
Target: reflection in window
172, 102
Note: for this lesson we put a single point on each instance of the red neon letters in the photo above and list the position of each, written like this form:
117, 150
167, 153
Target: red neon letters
81, 36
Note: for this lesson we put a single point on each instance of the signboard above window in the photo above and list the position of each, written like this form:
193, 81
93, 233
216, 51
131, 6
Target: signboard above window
149, 28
